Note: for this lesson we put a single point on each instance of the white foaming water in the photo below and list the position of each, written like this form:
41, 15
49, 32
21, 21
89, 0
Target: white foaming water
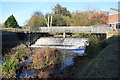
61, 43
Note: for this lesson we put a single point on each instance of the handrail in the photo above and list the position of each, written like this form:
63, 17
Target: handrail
71, 29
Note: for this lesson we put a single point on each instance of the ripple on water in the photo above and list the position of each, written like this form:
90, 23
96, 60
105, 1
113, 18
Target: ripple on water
67, 59
1, 61
26, 73
79, 51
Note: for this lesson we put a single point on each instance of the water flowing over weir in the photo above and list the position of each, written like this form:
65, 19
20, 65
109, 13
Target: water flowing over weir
61, 43
69, 47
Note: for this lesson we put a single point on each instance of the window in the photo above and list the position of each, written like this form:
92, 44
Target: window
118, 25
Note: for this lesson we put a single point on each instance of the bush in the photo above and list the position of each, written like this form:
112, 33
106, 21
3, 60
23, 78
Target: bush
58, 33
44, 57
43, 74
94, 45
9, 67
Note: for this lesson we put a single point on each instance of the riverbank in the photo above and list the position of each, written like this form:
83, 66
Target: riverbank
100, 61
103, 64
13, 39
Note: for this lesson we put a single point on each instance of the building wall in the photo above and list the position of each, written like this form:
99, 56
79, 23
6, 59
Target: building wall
115, 18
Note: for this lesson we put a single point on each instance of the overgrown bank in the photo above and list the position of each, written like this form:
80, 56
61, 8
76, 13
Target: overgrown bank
101, 60
19, 60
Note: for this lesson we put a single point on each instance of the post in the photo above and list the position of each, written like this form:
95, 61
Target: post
98, 29
83, 30
51, 21
64, 35
91, 29
48, 21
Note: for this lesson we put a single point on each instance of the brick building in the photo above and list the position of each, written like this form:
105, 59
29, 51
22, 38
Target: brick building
114, 18
1, 25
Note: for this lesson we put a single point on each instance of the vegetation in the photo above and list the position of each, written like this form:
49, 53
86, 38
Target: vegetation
60, 20
14, 61
44, 58
37, 19
61, 16
102, 64
96, 44
101, 17
58, 9
10, 66
11, 22
81, 34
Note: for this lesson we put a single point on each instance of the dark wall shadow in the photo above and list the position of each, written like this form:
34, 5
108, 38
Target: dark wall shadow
9, 40
13, 39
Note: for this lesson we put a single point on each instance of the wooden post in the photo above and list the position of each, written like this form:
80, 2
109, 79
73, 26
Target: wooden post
98, 29
64, 35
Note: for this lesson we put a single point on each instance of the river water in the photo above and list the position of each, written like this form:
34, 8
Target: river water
67, 56
68, 47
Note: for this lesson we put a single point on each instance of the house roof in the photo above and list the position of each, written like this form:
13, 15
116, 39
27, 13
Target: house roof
114, 11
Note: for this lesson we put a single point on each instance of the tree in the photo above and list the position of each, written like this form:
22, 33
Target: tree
11, 22
101, 16
37, 19
58, 9
60, 20
81, 19
95, 22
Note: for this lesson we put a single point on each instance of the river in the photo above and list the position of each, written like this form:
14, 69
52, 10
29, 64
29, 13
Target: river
68, 47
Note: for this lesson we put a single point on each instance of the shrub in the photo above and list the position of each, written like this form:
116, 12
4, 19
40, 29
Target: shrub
43, 74
44, 57
93, 39
9, 67
94, 45
58, 33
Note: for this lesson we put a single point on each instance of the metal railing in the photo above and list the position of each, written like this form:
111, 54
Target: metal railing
72, 29
69, 29
14, 29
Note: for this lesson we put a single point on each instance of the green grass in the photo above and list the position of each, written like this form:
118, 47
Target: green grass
103, 65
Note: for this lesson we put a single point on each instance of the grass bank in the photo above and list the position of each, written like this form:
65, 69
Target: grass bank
101, 61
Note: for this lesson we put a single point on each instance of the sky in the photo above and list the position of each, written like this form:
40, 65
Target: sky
24, 10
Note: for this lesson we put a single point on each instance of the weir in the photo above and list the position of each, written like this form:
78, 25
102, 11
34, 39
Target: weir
61, 43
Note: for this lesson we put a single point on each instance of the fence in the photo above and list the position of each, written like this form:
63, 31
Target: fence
72, 29
69, 29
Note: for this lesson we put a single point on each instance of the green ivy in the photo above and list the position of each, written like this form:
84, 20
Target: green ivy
21, 53
9, 68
